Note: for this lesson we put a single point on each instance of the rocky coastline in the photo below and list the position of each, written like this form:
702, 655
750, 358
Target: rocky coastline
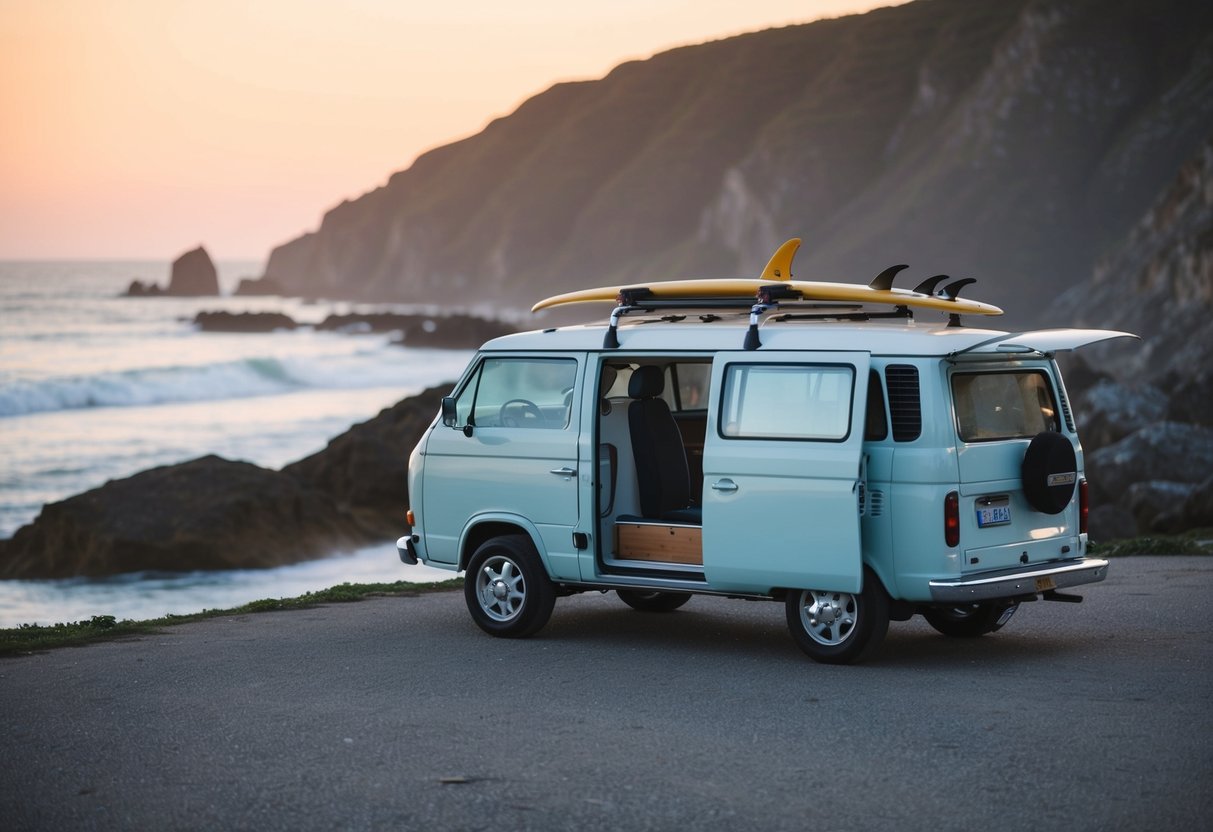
450, 331
213, 513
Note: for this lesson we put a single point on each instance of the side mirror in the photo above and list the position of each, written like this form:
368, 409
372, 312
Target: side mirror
449, 414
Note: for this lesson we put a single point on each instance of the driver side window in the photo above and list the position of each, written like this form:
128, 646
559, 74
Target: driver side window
519, 393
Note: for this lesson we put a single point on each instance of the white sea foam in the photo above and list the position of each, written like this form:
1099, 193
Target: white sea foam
95, 387
244, 378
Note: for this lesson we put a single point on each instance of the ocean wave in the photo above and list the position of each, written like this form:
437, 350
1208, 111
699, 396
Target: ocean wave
212, 382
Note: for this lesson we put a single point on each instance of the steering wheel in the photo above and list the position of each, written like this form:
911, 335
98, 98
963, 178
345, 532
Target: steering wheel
516, 413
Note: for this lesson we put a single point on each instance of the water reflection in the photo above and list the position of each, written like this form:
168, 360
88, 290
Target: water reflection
144, 595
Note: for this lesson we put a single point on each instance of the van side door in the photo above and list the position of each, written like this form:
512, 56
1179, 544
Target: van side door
782, 471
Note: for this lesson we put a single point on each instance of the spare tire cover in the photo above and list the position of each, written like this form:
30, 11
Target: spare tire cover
1050, 472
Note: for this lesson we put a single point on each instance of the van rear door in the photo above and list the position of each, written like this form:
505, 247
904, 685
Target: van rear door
999, 408
782, 461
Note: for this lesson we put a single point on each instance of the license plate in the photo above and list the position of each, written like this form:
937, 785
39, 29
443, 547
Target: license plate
1045, 584
993, 516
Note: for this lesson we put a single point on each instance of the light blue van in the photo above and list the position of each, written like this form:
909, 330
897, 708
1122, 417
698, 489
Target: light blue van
857, 468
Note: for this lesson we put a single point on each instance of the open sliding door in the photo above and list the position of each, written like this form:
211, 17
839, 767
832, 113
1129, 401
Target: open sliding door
782, 461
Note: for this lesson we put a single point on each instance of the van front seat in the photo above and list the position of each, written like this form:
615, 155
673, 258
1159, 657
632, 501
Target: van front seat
664, 480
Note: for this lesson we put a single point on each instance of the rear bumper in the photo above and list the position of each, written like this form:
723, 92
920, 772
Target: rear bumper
1023, 580
404, 548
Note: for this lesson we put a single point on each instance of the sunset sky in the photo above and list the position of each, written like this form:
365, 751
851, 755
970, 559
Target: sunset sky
141, 128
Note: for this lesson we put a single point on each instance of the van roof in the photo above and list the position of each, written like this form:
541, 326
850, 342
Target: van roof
895, 337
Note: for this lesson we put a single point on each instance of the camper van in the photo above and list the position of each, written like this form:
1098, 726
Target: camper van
828, 449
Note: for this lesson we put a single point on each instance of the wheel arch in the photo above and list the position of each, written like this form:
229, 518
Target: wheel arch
487, 526
884, 574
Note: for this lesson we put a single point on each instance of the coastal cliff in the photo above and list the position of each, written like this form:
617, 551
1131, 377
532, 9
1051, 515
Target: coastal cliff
1015, 141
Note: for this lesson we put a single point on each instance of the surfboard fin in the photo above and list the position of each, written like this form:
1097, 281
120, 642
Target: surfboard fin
884, 280
952, 290
927, 287
779, 267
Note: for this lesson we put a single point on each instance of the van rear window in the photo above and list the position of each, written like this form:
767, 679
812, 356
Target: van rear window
1003, 405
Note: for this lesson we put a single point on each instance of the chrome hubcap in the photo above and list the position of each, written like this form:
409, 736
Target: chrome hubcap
500, 588
828, 617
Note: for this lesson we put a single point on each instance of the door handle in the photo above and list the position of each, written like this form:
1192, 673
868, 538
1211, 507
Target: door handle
726, 485
564, 472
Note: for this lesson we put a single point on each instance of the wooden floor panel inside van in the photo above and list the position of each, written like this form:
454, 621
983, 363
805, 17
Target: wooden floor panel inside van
655, 542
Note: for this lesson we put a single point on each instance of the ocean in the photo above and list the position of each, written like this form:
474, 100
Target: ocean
95, 386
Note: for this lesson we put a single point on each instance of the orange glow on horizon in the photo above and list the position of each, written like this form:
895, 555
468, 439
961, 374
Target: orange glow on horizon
138, 128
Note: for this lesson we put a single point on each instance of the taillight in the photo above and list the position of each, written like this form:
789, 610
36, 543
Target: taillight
1084, 506
410, 518
951, 519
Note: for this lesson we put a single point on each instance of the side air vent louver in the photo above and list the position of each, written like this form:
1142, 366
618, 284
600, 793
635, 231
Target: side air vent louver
875, 503
1065, 409
904, 401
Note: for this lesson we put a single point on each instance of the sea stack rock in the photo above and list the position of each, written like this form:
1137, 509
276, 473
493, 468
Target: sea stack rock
194, 274
139, 289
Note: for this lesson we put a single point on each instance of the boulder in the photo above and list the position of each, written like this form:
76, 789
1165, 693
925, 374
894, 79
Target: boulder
1170, 451
1157, 505
1111, 523
209, 513
243, 321
193, 274
1192, 400
365, 470
1197, 512
1109, 411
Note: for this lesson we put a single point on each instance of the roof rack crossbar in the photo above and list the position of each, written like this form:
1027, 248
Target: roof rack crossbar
899, 312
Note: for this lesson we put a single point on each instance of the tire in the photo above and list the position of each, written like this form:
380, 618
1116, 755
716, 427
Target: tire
507, 589
968, 621
1049, 472
653, 601
839, 627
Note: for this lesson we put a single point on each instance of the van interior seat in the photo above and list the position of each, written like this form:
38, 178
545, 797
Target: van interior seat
662, 473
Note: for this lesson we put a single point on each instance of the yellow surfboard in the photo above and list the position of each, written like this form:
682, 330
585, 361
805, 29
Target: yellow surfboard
777, 276
809, 290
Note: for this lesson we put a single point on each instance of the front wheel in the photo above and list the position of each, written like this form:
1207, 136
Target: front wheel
970, 620
839, 627
507, 589
653, 601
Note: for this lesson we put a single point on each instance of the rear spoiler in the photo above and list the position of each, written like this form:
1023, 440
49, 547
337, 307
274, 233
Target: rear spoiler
1046, 342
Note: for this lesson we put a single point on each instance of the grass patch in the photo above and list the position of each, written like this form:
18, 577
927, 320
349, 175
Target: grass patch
29, 638
1194, 542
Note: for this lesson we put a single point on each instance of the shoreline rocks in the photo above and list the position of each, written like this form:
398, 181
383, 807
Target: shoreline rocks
259, 287
438, 331
431, 331
243, 321
208, 513
212, 513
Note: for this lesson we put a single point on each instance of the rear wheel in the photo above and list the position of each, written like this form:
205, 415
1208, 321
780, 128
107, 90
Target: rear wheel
970, 620
653, 601
507, 589
839, 627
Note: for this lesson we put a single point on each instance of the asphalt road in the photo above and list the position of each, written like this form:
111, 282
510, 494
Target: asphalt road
399, 714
